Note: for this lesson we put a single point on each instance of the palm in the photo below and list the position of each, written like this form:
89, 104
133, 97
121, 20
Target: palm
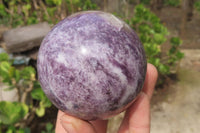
136, 120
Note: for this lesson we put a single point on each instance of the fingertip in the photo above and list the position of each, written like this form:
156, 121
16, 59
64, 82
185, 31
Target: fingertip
150, 80
152, 70
75, 125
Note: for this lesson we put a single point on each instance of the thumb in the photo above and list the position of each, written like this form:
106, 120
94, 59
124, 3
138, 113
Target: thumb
74, 125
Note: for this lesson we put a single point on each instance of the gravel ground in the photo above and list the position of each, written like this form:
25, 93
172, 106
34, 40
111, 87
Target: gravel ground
176, 108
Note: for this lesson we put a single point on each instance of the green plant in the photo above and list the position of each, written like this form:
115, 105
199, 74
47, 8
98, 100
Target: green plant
32, 12
49, 128
197, 5
15, 116
174, 3
4, 16
88, 5
146, 2
153, 34
174, 52
13, 129
53, 2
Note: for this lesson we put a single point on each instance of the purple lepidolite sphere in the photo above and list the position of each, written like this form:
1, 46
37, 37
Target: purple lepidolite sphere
91, 65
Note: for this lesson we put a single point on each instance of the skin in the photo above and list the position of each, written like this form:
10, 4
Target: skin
136, 119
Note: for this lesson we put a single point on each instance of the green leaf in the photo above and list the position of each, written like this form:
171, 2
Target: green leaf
40, 111
4, 68
197, 5
27, 130
4, 71
20, 131
164, 69
179, 55
53, 2
3, 12
174, 3
157, 62
11, 72
153, 34
154, 19
145, 39
159, 28
17, 75
28, 73
4, 57
49, 127
25, 9
154, 61
172, 60
144, 28
36, 85
146, 2
26, 1
37, 94
24, 130
11, 129
8, 72
151, 49
176, 41
46, 102
32, 20
12, 112
136, 20
172, 50
159, 38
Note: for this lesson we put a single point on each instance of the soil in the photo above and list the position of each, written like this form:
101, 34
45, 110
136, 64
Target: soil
39, 124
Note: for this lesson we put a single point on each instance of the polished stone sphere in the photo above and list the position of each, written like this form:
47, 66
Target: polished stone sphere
91, 65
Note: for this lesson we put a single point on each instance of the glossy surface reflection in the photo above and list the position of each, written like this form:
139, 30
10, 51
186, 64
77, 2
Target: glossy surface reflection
91, 65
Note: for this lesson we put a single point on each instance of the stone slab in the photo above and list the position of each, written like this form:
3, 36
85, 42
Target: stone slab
25, 38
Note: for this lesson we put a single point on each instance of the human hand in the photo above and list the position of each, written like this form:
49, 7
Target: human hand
136, 119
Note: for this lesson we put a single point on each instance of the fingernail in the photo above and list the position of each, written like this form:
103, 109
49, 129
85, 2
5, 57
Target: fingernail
67, 125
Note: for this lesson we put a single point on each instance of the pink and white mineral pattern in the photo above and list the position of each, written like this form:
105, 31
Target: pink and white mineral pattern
91, 65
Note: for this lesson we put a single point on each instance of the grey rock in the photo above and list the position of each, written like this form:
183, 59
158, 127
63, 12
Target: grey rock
25, 38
